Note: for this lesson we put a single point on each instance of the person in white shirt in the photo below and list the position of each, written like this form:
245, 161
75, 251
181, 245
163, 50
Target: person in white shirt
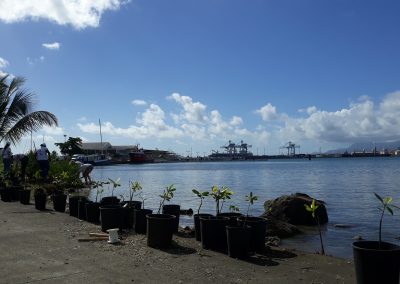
85, 170
42, 157
7, 157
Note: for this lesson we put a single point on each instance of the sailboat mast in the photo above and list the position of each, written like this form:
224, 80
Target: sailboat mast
101, 138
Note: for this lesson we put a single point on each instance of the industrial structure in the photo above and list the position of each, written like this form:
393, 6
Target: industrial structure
291, 148
233, 151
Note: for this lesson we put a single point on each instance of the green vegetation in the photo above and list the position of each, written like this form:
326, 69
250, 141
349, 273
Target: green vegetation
313, 208
200, 195
220, 195
115, 184
70, 147
386, 206
16, 115
167, 195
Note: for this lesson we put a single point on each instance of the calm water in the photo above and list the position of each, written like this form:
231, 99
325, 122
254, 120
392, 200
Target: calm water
346, 185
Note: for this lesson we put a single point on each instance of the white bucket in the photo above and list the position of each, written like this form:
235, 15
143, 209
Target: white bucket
113, 236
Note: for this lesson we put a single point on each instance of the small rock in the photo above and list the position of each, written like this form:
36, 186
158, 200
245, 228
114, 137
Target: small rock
358, 238
342, 225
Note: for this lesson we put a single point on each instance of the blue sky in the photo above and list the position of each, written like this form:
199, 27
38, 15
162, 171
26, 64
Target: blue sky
187, 75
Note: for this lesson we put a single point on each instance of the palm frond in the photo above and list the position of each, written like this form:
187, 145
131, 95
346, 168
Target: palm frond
30, 122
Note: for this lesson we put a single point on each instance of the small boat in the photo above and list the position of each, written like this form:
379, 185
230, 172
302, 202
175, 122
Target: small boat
137, 157
94, 159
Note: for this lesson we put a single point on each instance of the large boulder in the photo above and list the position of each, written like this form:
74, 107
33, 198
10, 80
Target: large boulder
290, 208
281, 229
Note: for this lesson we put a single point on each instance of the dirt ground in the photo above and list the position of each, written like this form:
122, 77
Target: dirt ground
43, 247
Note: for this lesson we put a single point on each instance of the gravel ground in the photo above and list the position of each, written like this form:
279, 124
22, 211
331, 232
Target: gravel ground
43, 247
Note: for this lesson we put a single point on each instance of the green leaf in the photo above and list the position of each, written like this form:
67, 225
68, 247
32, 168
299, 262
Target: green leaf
380, 198
195, 191
390, 210
387, 200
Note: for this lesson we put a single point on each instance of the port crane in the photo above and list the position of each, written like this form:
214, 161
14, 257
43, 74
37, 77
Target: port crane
291, 148
240, 149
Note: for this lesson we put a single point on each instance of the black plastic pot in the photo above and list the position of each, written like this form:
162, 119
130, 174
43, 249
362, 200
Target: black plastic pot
213, 233
6, 194
128, 212
238, 239
160, 228
196, 220
74, 205
40, 201
109, 200
110, 217
175, 210
82, 208
140, 220
15, 192
232, 217
25, 196
59, 202
92, 212
258, 232
374, 265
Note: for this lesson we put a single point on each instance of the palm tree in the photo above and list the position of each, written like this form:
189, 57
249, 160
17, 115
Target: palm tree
16, 115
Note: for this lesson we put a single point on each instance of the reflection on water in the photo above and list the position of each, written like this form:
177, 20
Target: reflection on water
346, 185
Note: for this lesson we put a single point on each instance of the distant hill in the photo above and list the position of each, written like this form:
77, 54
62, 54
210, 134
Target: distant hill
358, 147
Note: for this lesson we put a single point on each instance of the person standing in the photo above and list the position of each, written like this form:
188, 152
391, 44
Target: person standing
43, 157
7, 157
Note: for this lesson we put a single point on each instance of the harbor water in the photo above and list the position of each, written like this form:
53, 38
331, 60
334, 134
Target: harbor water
345, 184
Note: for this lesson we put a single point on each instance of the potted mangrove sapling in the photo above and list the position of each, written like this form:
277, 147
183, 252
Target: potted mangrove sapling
196, 217
59, 197
377, 261
239, 236
258, 227
140, 220
128, 207
213, 233
172, 209
160, 227
93, 208
111, 214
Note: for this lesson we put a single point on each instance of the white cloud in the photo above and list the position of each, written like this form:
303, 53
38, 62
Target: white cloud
3, 63
236, 121
78, 13
52, 46
361, 121
139, 102
193, 112
53, 130
268, 112
151, 124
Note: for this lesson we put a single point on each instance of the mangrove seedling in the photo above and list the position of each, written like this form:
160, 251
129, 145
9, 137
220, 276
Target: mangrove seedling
233, 208
386, 206
167, 195
115, 184
98, 185
220, 195
250, 199
134, 189
200, 195
313, 208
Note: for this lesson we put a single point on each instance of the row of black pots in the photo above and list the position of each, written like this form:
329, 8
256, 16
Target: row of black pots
12, 193
111, 213
231, 233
